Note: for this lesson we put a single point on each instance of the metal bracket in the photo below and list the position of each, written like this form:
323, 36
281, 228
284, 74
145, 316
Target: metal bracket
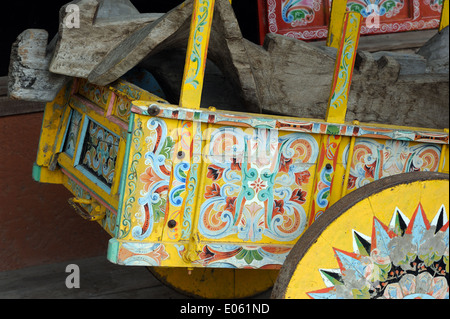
99, 211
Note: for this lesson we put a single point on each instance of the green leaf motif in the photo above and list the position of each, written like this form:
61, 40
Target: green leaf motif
298, 14
333, 130
159, 209
388, 5
167, 147
355, 7
249, 256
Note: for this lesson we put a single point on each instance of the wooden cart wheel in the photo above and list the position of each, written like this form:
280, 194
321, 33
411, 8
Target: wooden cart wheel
389, 239
217, 283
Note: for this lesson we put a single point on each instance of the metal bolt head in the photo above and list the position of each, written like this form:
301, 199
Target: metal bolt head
153, 110
180, 155
172, 223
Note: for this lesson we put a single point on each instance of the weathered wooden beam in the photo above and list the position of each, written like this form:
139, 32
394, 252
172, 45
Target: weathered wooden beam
411, 40
29, 78
9, 106
102, 25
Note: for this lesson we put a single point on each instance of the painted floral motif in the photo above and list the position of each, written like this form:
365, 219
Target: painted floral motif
256, 188
155, 179
96, 94
302, 177
299, 196
404, 260
388, 8
373, 160
99, 152
252, 257
122, 107
258, 185
212, 191
142, 254
196, 54
435, 5
72, 133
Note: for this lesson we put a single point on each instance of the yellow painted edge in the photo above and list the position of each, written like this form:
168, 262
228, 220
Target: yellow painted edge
119, 166
44, 175
345, 61
193, 77
444, 15
338, 9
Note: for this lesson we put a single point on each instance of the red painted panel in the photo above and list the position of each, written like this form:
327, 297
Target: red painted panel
308, 19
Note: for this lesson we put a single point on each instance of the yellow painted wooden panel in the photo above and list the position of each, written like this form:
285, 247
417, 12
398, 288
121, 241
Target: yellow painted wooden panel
53, 114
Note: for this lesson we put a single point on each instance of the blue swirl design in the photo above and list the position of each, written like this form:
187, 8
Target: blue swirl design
151, 199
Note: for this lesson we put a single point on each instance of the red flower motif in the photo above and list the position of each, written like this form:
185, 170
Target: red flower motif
351, 182
214, 172
212, 191
302, 177
298, 196
258, 185
235, 165
284, 164
370, 170
278, 207
230, 204
149, 177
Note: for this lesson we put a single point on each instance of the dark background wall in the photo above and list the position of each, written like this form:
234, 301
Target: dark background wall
19, 15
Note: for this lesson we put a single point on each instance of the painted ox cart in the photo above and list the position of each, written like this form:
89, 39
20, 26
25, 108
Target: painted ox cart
223, 204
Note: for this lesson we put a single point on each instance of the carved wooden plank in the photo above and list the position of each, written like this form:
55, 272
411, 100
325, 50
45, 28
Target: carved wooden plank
134, 48
436, 52
29, 78
102, 25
